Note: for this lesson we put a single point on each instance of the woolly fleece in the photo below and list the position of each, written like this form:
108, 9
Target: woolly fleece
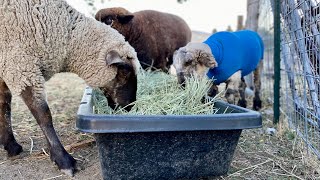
39, 38
154, 35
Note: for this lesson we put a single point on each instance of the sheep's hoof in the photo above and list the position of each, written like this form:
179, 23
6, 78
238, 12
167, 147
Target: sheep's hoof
13, 149
242, 103
257, 104
65, 162
68, 172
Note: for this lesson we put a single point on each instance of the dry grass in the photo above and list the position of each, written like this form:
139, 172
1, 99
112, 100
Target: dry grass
160, 94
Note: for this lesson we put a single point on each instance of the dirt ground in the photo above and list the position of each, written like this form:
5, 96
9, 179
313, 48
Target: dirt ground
64, 93
258, 154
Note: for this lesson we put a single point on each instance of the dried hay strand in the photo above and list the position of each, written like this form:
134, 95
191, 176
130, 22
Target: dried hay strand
159, 93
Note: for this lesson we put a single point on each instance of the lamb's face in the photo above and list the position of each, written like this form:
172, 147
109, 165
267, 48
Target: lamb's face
122, 89
116, 17
193, 60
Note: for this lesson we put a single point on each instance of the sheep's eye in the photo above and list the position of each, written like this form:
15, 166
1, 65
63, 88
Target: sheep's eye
205, 55
188, 63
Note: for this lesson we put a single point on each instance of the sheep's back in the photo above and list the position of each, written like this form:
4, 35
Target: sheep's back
158, 34
168, 27
37, 29
33, 40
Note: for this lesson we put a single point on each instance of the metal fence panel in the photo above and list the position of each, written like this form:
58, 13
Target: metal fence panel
300, 56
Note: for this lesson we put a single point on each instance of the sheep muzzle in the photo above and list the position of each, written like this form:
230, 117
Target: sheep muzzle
181, 79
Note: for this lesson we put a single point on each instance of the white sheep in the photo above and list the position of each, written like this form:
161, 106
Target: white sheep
41, 38
223, 57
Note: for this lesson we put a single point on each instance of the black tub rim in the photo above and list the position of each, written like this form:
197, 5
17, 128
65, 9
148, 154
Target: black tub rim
89, 122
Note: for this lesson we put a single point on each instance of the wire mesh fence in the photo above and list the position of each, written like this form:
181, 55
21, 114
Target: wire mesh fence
265, 29
300, 68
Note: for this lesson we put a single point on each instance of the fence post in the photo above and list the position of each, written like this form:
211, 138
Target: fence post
276, 59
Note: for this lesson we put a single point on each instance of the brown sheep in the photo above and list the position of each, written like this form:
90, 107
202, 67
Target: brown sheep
154, 35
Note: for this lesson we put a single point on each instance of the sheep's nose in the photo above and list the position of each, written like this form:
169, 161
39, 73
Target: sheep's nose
109, 22
181, 79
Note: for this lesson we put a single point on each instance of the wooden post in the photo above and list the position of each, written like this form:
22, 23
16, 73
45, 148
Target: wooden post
252, 24
240, 25
252, 15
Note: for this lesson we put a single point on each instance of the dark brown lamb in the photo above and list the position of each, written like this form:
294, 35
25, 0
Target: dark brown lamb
154, 35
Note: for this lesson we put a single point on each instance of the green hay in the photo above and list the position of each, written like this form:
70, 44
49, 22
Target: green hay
159, 94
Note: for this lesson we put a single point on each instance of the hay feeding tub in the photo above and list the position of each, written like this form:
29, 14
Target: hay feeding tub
166, 146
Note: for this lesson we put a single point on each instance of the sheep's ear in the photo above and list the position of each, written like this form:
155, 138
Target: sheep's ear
211, 62
113, 58
175, 53
124, 19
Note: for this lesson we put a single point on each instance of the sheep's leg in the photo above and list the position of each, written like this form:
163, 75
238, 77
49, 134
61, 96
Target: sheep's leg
169, 62
6, 135
257, 104
232, 88
242, 88
38, 106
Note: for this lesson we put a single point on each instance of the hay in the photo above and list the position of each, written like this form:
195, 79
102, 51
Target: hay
159, 94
